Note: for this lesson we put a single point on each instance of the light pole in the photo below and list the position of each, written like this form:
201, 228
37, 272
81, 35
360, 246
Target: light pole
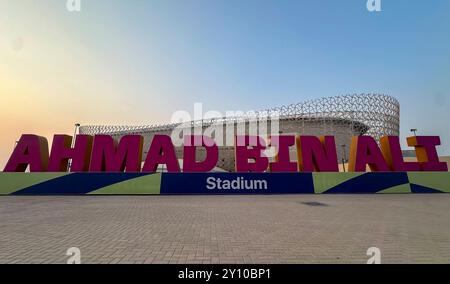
344, 157
414, 130
77, 126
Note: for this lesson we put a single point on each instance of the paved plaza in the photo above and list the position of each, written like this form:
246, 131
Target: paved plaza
406, 228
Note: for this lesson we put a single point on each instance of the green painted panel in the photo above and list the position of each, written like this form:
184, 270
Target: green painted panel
325, 181
403, 188
149, 184
436, 180
12, 182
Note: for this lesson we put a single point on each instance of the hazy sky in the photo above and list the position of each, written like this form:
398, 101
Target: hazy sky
138, 61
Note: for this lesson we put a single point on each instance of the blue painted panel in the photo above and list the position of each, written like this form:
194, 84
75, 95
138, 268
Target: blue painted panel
76, 183
370, 183
235, 183
415, 188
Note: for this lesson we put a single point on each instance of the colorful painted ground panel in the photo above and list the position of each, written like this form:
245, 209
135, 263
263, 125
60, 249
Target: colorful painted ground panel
221, 183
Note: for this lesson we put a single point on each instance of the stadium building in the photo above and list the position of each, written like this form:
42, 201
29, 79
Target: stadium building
341, 116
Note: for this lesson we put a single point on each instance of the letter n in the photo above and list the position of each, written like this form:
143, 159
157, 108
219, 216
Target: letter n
317, 154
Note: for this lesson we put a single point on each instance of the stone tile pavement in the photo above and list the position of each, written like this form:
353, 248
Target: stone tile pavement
226, 229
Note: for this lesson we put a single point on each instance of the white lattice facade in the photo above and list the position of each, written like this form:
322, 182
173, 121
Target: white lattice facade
341, 116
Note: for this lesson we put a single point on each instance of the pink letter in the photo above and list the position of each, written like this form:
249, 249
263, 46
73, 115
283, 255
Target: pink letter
161, 151
243, 153
189, 158
317, 154
364, 150
282, 159
110, 157
392, 152
61, 153
426, 152
30, 150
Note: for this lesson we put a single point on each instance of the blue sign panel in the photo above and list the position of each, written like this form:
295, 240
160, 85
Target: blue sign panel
235, 183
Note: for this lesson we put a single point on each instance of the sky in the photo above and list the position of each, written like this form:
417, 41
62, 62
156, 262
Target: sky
138, 61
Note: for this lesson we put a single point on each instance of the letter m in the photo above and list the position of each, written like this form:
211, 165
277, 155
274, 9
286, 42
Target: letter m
110, 156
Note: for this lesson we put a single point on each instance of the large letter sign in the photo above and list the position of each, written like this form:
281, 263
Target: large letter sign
102, 153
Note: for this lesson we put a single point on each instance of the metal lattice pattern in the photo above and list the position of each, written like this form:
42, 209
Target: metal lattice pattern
372, 114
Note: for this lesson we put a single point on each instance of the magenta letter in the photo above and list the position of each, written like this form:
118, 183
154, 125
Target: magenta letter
110, 157
364, 150
243, 153
317, 154
426, 152
392, 152
161, 151
62, 152
30, 150
189, 158
282, 159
